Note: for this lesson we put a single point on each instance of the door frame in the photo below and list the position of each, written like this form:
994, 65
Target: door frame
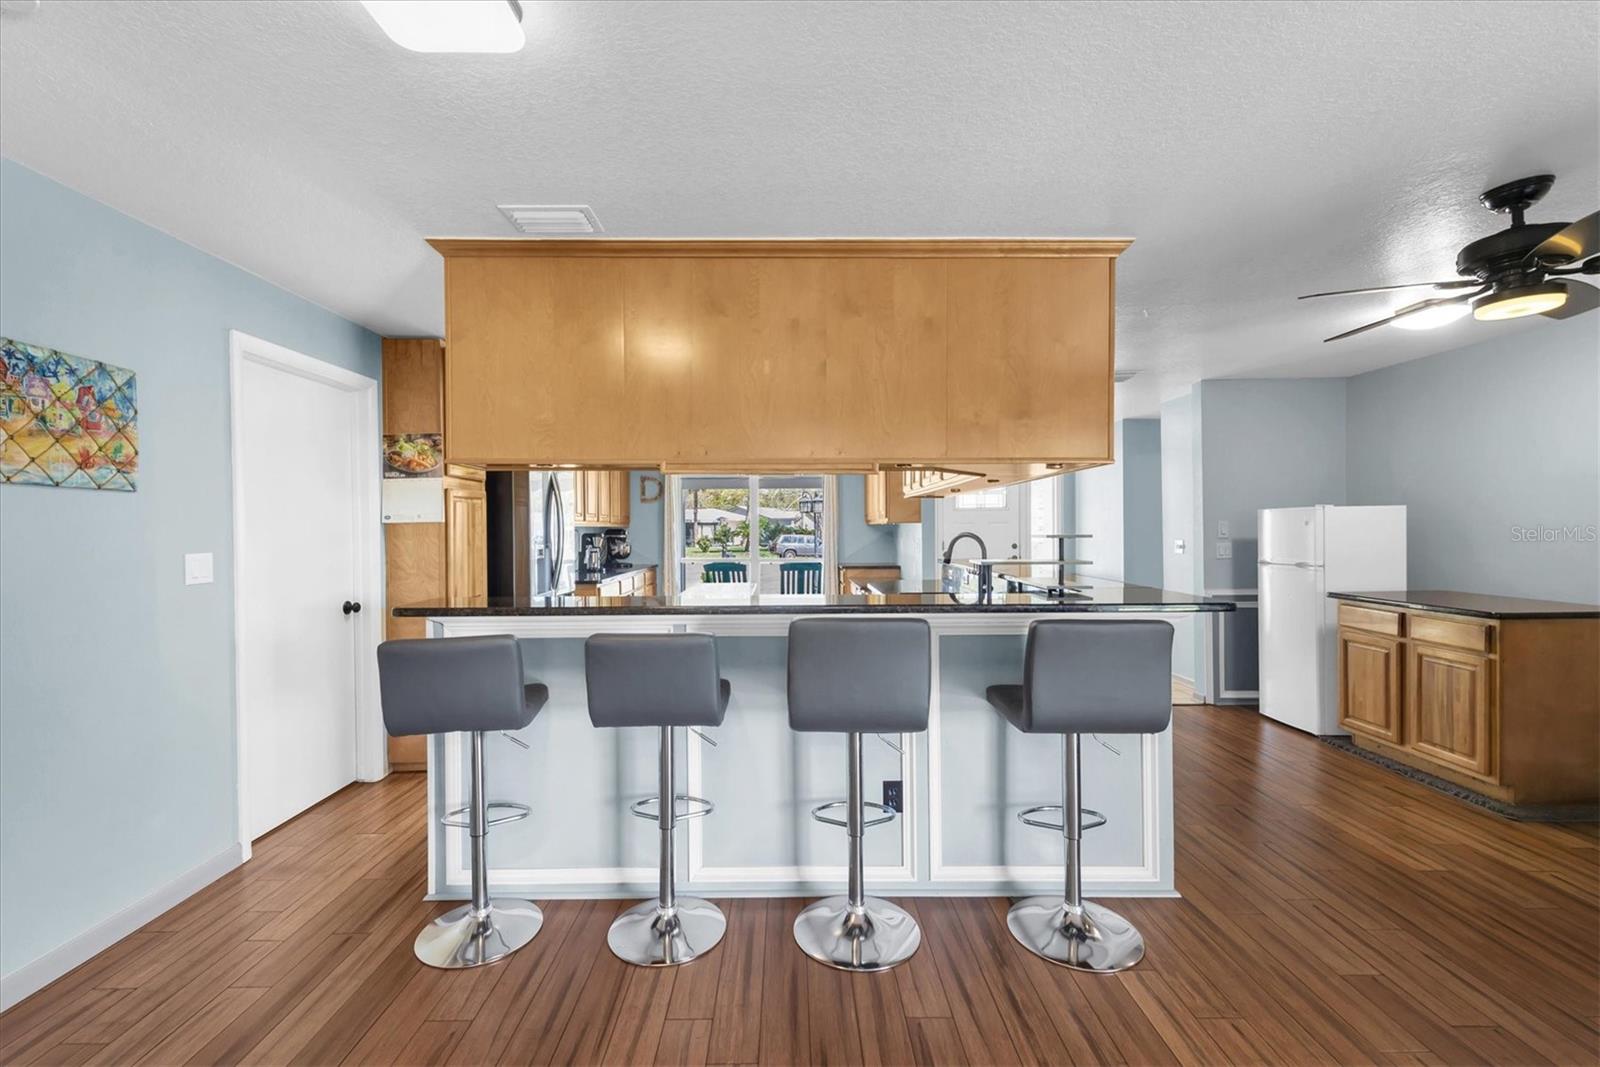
372, 760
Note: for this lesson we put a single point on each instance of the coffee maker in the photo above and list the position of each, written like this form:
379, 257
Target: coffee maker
592, 553
617, 547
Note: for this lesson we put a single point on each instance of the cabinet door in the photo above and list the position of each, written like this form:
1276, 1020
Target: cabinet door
1369, 685
620, 493
1449, 707
466, 540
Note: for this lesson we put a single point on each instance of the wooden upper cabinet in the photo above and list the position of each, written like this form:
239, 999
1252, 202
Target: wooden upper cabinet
778, 355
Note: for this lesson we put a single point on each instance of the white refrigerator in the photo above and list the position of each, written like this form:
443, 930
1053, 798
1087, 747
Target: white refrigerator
1304, 554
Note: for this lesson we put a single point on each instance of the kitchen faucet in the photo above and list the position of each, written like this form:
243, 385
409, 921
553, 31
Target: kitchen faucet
985, 570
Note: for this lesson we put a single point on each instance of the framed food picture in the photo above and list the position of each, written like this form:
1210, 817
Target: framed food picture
66, 421
413, 455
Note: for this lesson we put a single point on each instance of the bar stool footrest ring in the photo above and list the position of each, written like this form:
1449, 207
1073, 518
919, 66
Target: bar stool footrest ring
517, 812
889, 816
1091, 819
695, 808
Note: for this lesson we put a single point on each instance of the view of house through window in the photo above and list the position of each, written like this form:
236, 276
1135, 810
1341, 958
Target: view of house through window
769, 530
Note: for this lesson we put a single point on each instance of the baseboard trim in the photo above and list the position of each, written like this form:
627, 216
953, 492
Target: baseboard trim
32, 977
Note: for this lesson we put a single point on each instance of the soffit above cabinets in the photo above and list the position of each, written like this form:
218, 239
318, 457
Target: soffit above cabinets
779, 355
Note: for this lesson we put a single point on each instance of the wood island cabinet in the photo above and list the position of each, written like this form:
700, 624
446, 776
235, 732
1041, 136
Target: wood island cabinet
1507, 706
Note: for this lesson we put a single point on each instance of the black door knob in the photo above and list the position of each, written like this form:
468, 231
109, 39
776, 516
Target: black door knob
352, 607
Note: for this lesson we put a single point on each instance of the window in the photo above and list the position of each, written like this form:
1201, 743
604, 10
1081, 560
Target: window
769, 530
981, 500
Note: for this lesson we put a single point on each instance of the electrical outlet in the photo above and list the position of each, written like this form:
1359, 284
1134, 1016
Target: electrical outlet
892, 797
1224, 549
1222, 529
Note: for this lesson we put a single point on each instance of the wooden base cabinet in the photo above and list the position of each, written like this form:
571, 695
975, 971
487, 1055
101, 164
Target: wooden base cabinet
1369, 684
1508, 707
640, 582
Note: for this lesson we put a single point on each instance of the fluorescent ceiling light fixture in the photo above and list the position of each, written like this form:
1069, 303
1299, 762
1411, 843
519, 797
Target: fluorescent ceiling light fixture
1515, 303
1430, 314
450, 25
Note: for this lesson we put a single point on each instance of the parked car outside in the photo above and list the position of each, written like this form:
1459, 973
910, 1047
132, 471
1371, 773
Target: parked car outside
791, 545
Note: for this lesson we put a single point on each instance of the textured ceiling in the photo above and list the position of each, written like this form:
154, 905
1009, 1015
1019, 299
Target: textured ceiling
1254, 151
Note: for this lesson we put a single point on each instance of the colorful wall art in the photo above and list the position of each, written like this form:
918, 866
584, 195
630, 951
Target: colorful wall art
66, 421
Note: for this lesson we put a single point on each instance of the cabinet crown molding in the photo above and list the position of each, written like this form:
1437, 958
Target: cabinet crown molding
867, 248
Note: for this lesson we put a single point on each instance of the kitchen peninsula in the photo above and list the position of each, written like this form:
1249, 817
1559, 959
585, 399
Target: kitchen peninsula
962, 782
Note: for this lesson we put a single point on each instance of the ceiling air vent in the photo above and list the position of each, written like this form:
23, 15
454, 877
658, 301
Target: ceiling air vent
552, 220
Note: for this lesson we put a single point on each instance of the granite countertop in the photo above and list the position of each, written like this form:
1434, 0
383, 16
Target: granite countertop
901, 597
616, 570
1477, 605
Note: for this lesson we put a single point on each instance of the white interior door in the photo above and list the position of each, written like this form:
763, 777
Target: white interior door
993, 514
296, 442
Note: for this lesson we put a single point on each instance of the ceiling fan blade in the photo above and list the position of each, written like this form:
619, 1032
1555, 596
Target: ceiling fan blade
1578, 241
1581, 297
1461, 283
1412, 309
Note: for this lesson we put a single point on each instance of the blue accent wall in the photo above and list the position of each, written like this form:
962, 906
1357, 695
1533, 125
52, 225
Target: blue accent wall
858, 542
117, 767
1495, 451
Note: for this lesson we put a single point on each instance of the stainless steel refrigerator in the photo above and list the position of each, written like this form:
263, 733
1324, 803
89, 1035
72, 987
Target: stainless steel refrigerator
531, 544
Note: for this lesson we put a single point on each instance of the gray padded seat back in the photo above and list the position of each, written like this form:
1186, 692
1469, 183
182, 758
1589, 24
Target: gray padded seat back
1085, 676
855, 675
448, 684
654, 680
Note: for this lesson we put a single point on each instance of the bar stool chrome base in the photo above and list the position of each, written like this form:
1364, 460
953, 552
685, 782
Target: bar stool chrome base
650, 936
466, 937
1085, 938
875, 937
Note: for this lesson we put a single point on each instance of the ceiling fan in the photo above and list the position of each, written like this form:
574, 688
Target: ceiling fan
1522, 270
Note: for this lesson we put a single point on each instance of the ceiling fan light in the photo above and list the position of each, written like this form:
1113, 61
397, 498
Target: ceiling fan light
1519, 302
450, 25
1430, 314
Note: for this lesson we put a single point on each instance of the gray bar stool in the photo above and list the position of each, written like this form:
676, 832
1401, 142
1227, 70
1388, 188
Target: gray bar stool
666, 681
856, 676
1084, 676
470, 685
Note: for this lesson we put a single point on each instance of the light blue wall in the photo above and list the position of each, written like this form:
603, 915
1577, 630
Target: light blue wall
1265, 443
1481, 441
858, 542
1140, 461
1098, 510
1177, 523
116, 681
645, 528
1120, 505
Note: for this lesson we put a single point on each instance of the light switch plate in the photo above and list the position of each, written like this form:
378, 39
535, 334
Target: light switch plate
1222, 529
1178, 546
197, 568
1224, 549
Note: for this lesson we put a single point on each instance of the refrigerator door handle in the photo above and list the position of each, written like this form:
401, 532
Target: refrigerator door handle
555, 538
1301, 566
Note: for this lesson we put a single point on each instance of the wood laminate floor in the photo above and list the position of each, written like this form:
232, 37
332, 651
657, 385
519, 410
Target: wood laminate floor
1332, 913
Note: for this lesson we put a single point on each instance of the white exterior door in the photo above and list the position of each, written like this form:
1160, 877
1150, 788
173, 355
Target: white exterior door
993, 514
297, 538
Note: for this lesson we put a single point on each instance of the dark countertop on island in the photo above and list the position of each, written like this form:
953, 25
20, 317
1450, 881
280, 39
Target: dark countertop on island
1477, 605
904, 598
